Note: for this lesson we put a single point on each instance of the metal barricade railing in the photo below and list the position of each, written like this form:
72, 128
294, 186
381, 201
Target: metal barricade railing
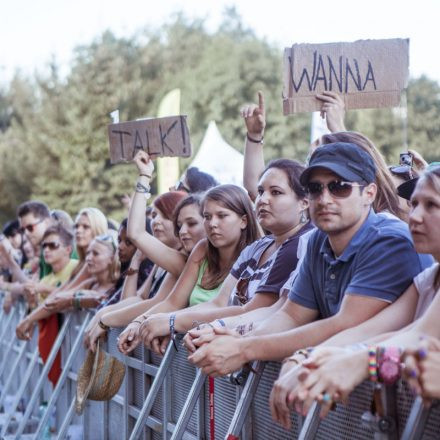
167, 398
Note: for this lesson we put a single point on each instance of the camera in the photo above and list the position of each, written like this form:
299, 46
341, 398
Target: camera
406, 159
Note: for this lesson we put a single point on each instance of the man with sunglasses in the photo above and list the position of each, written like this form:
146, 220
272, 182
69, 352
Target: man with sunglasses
57, 244
357, 263
34, 217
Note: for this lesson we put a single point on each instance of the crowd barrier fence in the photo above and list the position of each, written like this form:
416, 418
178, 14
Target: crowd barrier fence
168, 398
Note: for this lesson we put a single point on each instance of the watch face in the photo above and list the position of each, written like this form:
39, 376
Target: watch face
389, 372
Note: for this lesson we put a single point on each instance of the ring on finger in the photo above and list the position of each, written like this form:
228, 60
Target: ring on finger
327, 398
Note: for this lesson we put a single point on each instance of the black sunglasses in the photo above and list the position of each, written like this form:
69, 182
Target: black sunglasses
30, 228
180, 186
336, 188
52, 245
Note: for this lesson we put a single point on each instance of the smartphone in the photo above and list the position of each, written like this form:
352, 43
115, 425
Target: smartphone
406, 159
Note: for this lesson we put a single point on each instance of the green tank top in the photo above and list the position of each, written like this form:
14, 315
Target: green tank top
199, 294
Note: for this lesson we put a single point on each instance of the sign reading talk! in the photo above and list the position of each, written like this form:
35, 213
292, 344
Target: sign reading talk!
158, 137
366, 73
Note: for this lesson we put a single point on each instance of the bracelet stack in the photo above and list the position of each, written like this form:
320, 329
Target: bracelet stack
384, 364
76, 300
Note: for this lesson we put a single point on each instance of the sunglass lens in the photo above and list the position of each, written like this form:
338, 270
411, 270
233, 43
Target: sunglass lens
314, 189
340, 189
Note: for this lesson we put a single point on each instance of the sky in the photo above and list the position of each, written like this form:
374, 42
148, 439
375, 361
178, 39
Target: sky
34, 31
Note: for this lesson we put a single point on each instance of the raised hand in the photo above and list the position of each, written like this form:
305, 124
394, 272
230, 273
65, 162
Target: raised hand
255, 118
144, 163
333, 110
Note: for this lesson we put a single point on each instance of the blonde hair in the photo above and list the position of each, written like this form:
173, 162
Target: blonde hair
109, 240
98, 225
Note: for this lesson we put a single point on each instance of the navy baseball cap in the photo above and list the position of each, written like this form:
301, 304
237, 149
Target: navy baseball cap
348, 161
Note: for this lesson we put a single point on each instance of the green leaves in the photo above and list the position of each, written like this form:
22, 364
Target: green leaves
53, 131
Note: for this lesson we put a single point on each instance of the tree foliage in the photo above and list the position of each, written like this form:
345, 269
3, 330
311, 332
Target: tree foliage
53, 131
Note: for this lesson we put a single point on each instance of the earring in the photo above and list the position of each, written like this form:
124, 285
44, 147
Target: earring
303, 218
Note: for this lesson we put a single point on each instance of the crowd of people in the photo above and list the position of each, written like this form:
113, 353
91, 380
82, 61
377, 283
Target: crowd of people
330, 267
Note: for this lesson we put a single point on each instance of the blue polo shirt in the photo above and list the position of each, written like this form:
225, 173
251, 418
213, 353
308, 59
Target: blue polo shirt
380, 262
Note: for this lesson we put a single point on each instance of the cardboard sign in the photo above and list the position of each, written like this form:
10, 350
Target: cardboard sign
159, 137
366, 73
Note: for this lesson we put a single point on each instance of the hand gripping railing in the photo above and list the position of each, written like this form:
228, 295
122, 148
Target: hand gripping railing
154, 390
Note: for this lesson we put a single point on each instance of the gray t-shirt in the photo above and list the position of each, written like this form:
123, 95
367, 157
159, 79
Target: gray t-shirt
424, 283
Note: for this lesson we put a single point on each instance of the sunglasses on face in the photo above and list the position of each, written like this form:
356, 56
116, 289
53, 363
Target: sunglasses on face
30, 228
337, 188
51, 245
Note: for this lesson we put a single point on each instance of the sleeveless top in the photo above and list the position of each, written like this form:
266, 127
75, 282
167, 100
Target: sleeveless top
199, 294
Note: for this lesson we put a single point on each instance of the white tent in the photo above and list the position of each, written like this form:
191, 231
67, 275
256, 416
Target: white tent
218, 158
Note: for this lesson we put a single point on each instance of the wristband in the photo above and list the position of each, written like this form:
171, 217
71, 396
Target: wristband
103, 326
137, 321
372, 363
145, 175
221, 322
255, 141
76, 301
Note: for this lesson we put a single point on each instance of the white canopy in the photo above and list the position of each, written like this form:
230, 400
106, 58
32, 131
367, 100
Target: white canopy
218, 158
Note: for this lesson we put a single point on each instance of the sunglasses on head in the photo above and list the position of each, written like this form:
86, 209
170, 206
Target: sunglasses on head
336, 188
180, 186
107, 238
402, 171
30, 228
51, 245
241, 290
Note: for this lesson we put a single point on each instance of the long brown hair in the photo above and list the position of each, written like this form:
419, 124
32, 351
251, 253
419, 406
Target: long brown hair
386, 198
234, 198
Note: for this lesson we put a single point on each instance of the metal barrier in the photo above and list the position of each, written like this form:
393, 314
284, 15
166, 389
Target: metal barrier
168, 398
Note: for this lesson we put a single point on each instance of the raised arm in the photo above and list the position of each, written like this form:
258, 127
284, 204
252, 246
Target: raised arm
255, 121
170, 259
333, 110
6, 250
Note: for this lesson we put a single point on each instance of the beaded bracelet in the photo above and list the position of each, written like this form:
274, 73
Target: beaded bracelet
372, 363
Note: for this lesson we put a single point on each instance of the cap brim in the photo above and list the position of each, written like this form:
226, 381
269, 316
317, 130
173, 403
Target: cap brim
406, 189
340, 170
